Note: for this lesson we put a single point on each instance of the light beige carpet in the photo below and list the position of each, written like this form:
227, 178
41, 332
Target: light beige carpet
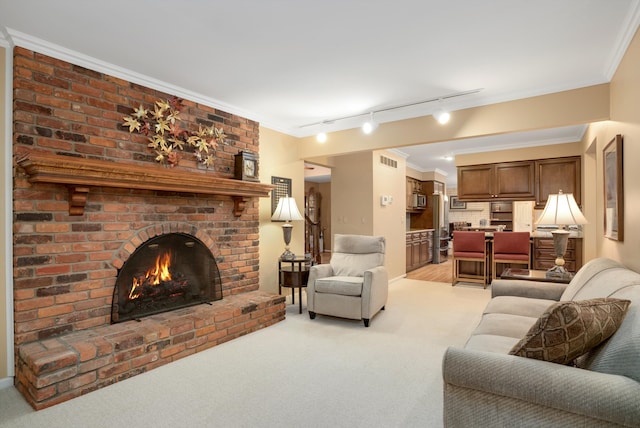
326, 372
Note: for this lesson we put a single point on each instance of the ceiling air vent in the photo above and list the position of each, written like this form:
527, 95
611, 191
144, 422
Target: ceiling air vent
388, 161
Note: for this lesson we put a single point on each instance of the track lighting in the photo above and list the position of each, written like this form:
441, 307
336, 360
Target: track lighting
370, 125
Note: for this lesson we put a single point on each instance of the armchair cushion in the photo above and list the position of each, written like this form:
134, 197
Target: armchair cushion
567, 330
354, 264
343, 285
354, 254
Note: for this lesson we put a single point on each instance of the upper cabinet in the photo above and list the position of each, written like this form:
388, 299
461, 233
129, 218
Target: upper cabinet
413, 186
557, 174
530, 180
507, 180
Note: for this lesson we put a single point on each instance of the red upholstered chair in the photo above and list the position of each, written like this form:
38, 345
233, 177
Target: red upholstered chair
469, 246
510, 247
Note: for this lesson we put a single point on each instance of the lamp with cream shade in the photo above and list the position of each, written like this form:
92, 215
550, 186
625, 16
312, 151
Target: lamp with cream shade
561, 210
287, 211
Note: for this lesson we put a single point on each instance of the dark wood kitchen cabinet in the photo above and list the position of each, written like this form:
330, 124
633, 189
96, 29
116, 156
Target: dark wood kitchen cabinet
413, 186
499, 181
419, 248
558, 174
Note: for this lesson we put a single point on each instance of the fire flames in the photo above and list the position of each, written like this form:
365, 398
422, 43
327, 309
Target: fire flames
154, 276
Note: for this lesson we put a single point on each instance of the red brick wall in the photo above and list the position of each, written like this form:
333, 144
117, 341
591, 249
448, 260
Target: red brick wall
65, 266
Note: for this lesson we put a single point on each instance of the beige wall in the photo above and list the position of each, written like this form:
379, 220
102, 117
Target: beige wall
6, 314
625, 120
278, 157
352, 194
436, 175
389, 221
358, 181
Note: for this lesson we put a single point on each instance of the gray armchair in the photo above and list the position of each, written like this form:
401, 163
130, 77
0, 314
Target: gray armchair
354, 284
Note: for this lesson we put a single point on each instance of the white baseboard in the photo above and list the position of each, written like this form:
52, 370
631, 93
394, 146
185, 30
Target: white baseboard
6, 382
397, 278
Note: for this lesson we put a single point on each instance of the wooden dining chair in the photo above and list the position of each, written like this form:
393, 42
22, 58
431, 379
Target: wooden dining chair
471, 247
511, 247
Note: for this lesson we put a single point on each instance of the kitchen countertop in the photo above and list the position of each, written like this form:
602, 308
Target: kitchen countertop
481, 228
540, 234
420, 230
534, 234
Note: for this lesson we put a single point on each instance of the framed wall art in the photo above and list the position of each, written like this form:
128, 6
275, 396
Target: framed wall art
613, 190
282, 189
455, 204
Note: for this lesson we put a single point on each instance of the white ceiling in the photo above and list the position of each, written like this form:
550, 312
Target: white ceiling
288, 63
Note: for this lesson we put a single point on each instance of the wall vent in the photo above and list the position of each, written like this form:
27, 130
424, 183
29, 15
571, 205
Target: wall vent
388, 161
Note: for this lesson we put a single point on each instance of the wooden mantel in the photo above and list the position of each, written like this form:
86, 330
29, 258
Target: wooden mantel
79, 174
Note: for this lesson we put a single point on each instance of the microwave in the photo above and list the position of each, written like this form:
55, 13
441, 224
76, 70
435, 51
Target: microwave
419, 201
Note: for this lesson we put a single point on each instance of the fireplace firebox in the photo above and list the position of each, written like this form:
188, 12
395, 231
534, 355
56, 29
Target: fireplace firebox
167, 272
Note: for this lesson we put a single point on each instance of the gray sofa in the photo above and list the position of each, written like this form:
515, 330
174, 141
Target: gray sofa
485, 386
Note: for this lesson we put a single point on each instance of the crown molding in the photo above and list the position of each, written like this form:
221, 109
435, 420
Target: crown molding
35, 44
5, 40
398, 152
626, 34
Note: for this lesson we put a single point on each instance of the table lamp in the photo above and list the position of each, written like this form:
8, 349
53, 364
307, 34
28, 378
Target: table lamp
561, 210
286, 211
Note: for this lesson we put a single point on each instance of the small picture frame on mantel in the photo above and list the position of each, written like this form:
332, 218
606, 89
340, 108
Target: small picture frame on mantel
246, 166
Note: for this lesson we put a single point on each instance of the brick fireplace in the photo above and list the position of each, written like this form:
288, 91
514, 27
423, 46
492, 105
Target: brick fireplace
87, 193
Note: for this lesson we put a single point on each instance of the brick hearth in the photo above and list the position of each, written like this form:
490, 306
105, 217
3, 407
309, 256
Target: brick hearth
65, 266
58, 369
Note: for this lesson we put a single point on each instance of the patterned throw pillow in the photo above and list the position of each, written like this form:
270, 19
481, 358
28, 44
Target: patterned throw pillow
567, 330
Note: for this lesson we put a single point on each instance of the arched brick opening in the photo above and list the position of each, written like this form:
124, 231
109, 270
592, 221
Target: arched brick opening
143, 235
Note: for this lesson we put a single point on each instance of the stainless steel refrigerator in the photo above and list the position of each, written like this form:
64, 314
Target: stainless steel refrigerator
441, 228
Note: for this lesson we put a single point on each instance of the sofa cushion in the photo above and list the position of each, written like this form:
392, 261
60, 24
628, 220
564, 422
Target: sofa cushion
491, 343
514, 305
567, 330
343, 285
515, 326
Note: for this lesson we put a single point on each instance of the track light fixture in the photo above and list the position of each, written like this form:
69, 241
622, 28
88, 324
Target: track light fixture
442, 116
370, 125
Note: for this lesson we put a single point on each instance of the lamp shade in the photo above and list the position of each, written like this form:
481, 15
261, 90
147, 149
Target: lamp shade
561, 209
287, 210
